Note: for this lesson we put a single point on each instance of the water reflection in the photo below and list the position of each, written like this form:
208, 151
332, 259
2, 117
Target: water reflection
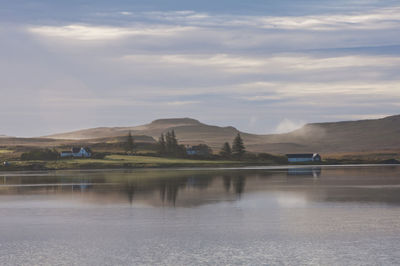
239, 182
308, 171
198, 187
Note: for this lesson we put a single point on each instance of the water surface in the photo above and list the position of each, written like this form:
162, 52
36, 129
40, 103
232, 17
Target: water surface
262, 216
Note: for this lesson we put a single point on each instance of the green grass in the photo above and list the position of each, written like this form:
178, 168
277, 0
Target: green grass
118, 161
5, 151
160, 160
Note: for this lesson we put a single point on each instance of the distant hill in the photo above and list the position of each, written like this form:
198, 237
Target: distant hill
188, 131
349, 136
153, 129
52, 142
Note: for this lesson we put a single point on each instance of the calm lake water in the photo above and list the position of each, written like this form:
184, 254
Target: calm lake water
341, 215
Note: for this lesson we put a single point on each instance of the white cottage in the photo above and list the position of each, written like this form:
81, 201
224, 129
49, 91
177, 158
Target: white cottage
77, 152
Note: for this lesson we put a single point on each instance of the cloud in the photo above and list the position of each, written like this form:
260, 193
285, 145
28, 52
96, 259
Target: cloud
180, 103
95, 33
383, 18
268, 64
125, 13
356, 116
251, 70
261, 98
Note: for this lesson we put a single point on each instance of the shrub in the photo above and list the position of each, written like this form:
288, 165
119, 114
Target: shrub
46, 155
99, 155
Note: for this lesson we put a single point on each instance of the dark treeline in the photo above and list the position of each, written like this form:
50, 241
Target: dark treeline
40, 154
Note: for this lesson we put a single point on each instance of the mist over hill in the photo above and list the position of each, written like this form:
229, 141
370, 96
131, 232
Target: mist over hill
348, 136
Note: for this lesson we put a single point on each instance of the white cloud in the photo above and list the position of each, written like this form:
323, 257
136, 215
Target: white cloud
260, 91
94, 33
169, 23
267, 64
125, 13
378, 19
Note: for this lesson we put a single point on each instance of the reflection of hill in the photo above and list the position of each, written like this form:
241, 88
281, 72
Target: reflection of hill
184, 188
141, 186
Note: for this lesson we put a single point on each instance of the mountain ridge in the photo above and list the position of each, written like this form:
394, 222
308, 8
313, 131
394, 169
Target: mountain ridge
327, 137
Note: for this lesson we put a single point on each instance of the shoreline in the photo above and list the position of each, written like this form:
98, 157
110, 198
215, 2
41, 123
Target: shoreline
232, 166
116, 161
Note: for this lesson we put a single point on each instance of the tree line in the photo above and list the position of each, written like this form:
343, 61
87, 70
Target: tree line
168, 145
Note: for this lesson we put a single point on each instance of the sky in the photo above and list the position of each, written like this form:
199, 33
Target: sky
263, 66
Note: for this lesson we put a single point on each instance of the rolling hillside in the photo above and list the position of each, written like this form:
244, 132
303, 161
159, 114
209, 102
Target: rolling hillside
349, 136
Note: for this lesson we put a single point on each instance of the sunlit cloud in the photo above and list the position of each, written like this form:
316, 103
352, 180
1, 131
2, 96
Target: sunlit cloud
93, 33
125, 13
296, 89
271, 64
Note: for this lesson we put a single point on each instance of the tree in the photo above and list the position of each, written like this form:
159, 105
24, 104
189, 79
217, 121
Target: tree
168, 143
130, 143
173, 139
226, 151
238, 148
161, 144
172, 146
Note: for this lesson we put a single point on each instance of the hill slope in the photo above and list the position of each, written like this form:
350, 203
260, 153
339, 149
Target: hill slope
188, 131
350, 136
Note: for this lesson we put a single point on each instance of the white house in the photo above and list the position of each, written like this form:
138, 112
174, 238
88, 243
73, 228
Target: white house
77, 152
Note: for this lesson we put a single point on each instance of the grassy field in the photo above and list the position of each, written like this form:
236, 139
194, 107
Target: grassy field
129, 161
117, 161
